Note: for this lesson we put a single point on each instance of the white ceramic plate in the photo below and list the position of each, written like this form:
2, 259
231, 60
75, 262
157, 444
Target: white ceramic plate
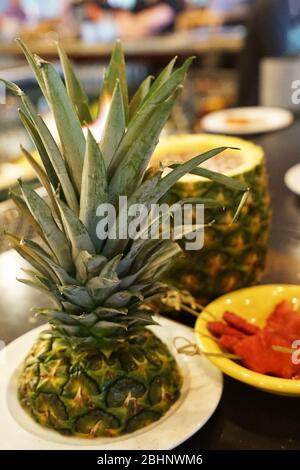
246, 121
292, 179
202, 390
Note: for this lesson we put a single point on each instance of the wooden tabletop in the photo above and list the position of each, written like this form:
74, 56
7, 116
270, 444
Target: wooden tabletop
246, 418
179, 43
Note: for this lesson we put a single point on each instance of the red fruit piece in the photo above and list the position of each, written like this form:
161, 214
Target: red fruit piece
240, 324
257, 353
284, 321
219, 328
228, 342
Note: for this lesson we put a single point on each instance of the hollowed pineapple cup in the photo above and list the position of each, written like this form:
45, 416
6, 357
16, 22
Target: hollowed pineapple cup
234, 254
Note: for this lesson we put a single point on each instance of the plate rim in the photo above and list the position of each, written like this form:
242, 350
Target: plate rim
213, 379
236, 132
286, 178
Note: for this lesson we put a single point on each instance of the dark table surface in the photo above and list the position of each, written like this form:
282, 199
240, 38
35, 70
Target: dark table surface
245, 418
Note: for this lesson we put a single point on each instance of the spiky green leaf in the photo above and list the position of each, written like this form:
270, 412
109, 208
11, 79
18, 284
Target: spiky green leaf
31, 256
139, 96
144, 194
109, 271
137, 148
59, 315
115, 126
12, 87
42, 176
122, 298
93, 188
67, 122
88, 266
167, 84
57, 162
25, 114
242, 202
32, 60
46, 258
34, 134
162, 77
106, 328
75, 230
76, 92
78, 295
25, 212
54, 236
116, 71
227, 181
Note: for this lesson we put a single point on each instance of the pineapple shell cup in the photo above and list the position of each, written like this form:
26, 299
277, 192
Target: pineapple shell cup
234, 251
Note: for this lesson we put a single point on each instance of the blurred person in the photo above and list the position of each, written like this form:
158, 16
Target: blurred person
3, 6
230, 11
15, 10
37, 10
214, 13
51, 19
11, 17
34, 11
35, 18
133, 18
273, 31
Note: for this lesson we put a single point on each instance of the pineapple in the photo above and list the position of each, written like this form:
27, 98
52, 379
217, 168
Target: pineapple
234, 254
98, 370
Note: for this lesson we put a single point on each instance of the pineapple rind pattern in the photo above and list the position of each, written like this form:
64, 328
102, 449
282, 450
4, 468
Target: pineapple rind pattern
90, 394
234, 254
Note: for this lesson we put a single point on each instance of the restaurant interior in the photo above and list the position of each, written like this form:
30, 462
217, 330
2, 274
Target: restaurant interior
242, 91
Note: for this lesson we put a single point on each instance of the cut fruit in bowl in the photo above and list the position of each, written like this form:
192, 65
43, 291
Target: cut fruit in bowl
254, 304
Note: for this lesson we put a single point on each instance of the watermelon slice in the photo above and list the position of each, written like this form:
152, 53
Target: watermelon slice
284, 321
240, 324
257, 353
218, 328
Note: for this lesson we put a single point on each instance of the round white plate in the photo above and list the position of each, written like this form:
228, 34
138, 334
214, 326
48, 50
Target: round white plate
246, 121
201, 393
292, 179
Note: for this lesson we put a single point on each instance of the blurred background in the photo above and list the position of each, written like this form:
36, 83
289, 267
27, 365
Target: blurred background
243, 48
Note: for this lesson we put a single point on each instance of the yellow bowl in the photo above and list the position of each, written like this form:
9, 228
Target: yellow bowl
254, 304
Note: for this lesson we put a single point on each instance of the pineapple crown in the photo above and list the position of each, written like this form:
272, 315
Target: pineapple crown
99, 286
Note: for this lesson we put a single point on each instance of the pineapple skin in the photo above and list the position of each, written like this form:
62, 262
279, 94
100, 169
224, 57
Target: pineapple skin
233, 255
97, 393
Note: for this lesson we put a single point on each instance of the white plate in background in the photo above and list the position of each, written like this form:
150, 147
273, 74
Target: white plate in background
292, 179
247, 121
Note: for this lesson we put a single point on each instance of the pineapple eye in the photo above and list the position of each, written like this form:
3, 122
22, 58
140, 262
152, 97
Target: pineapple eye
50, 409
144, 418
130, 359
122, 389
97, 423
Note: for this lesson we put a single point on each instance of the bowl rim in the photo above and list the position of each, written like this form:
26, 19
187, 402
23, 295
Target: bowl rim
231, 368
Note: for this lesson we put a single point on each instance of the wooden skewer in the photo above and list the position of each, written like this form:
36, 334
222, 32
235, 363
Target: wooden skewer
178, 304
191, 349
